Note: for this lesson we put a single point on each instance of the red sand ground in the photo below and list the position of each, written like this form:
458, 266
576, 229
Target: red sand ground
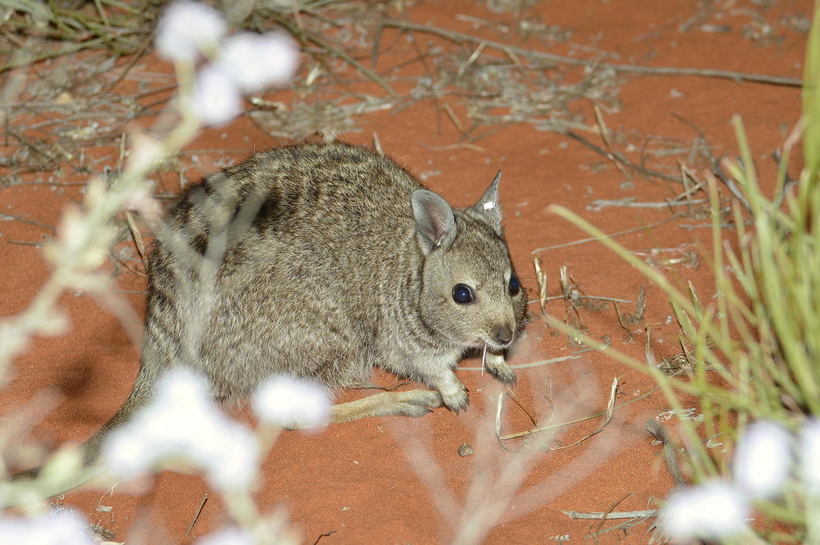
355, 482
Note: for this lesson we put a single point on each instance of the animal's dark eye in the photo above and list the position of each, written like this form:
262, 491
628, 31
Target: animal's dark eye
463, 294
515, 286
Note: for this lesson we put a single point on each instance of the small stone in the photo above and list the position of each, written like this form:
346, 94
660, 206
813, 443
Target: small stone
465, 450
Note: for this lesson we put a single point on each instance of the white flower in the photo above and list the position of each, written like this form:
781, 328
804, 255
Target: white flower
712, 510
124, 452
183, 423
809, 455
216, 98
292, 402
74, 230
762, 459
227, 536
145, 153
63, 527
256, 61
141, 199
187, 28
236, 463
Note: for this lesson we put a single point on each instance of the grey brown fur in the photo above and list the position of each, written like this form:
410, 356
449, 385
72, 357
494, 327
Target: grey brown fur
332, 260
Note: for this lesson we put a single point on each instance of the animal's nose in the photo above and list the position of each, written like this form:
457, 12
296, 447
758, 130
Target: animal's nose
502, 334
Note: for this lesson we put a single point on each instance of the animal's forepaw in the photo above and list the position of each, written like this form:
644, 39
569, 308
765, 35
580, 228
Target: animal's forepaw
504, 373
457, 399
500, 369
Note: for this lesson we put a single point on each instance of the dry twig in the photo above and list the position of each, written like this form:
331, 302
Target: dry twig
610, 235
460, 37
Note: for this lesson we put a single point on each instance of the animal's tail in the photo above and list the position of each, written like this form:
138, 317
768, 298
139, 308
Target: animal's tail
91, 447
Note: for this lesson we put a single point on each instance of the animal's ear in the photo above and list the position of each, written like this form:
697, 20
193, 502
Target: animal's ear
488, 206
435, 223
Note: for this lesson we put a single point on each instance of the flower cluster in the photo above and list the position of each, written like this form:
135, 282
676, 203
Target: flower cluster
227, 536
765, 457
184, 424
58, 527
291, 402
242, 63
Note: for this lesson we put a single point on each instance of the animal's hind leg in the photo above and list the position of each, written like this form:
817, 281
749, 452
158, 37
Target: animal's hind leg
409, 403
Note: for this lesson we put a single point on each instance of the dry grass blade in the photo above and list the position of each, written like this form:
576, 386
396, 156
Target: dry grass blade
539, 363
622, 322
630, 202
649, 353
7, 217
669, 451
612, 515
377, 144
564, 280
619, 158
603, 131
452, 115
472, 58
608, 414
541, 279
136, 235
197, 514
628, 319
608, 235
